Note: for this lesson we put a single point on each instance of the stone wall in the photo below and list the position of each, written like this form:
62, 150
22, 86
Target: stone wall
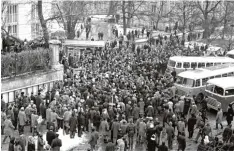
31, 80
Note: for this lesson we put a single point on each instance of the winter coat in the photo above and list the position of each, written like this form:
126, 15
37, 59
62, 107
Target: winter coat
115, 128
22, 118
136, 112
43, 111
56, 144
93, 139
191, 122
73, 124
34, 118
8, 128
50, 135
219, 117
48, 115
150, 111
40, 144
104, 128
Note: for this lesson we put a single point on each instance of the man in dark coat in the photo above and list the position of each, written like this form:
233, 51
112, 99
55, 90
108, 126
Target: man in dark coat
72, 124
191, 122
50, 135
81, 123
181, 141
56, 143
230, 114
32, 97
38, 102
43, 110
163, 147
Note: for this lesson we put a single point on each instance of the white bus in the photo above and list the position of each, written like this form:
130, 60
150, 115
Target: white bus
193, 82
220, 93
183, 63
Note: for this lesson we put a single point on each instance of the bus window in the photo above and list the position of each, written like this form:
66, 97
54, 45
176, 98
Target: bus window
218, 90
209, 64
201, 65
204, 81
212, 77
218, 76
210, 87
172, 63
186, 65
188, 82
229, 92
224, 75
178, 65
230, 74
217, 64
197, 83
193, 65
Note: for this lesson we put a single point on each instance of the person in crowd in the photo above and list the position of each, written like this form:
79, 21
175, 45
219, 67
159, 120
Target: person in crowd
40, 142
181, 141
170, 134
56, 143
72, 125
191, 123
11, 144
22, 120
8, 128
230, 114
31, 144
131, 129
93, 139
50, 135
219, 118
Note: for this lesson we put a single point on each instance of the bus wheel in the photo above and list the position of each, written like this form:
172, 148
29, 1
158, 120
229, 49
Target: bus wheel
199, 98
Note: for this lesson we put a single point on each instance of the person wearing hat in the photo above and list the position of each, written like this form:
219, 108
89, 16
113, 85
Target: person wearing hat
40, 142
72, 125
22, 120
170, 134
93, 138
131, 130
151, 137
31, 144
50, 135
8, 128
56, 143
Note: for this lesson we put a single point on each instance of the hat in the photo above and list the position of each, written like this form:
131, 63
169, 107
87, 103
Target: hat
151, 125
22, 108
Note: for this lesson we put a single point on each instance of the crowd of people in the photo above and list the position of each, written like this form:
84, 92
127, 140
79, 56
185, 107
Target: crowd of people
121, 97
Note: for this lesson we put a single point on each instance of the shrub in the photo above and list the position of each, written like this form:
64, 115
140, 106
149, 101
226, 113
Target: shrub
25, 61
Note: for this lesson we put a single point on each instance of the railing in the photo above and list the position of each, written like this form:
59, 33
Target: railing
16, 64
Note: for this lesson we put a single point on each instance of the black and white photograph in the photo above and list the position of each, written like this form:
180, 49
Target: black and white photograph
117, 75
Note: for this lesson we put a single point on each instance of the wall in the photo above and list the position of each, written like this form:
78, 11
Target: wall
30, 83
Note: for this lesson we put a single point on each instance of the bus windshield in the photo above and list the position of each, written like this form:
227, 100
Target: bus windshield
186, 81
218, 90
172, 63
229, 92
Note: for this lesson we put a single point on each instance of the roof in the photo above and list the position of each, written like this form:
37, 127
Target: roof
231, 52
226, 82
207, 72
200, 59
78, 43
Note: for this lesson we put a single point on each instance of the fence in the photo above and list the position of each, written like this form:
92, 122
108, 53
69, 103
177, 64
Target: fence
13, 64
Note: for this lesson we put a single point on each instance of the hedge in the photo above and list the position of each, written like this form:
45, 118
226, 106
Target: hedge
26, 61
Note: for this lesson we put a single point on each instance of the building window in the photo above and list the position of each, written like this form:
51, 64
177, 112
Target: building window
34, 15
36, 30
12, 20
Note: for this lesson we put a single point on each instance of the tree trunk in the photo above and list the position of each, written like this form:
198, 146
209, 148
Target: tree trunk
43, 23
124, 17
206, 27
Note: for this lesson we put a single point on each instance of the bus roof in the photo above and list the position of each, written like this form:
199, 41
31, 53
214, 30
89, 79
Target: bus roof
231, 52
79, 43
226, 82
200, 59
207, 72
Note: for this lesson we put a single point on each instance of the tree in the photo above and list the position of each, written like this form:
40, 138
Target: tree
43, 23
209, 16
70, 13
158, 14
185, 13
228, 16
